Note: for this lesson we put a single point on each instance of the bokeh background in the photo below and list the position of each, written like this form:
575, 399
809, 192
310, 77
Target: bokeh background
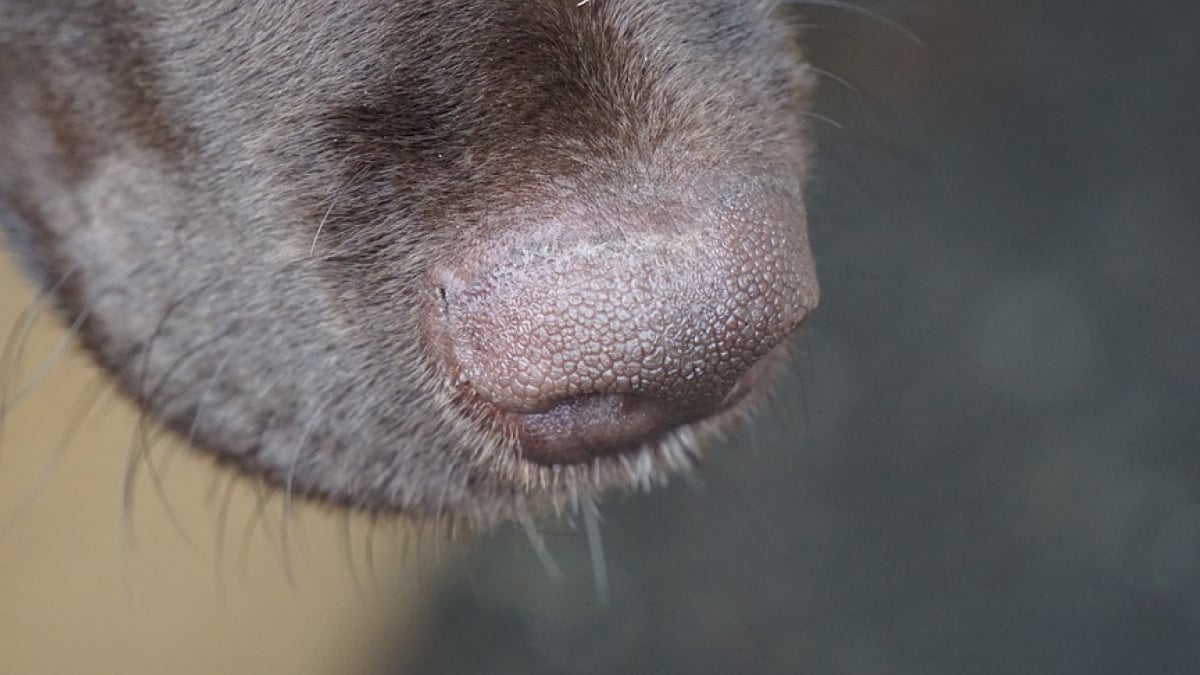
986, 460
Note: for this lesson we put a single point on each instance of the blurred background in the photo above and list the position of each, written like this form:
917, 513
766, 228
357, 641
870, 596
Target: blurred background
987, 459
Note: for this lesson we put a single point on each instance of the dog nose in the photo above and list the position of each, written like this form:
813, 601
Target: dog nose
600, 329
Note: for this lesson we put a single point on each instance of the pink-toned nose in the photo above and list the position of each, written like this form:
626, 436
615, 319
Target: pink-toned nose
602, 328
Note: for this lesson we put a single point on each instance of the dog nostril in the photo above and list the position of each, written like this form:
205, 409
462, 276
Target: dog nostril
578, 428
592, 339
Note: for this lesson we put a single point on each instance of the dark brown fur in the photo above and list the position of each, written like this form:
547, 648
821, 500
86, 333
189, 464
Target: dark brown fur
242, 199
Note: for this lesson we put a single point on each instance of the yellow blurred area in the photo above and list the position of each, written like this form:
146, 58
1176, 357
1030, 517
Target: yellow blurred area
195, 576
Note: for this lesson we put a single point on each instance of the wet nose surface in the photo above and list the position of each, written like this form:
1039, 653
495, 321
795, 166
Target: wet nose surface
602, 329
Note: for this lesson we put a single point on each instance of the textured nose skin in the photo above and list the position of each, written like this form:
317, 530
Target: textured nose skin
601, 329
